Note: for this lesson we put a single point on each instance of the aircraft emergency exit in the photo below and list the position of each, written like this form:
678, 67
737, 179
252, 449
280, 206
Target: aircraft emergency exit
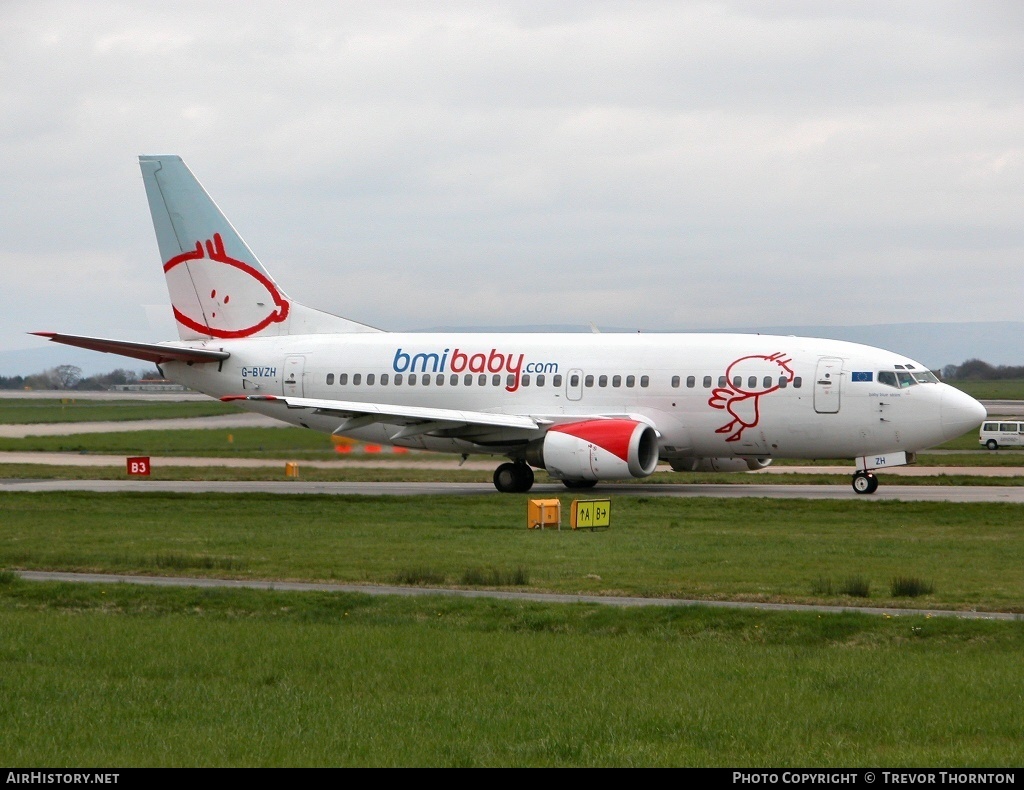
583, 407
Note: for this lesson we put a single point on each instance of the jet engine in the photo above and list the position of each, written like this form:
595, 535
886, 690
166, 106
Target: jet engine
719, 464
613, 449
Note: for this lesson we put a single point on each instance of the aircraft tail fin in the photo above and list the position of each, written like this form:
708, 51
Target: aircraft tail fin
218, 287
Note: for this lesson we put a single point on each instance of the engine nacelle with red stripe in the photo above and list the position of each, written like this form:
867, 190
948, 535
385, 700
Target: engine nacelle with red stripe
613, 449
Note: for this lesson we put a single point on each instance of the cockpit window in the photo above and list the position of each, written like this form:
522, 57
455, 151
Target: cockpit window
902, 378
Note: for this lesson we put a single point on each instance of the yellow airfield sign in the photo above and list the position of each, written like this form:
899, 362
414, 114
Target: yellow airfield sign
591, 513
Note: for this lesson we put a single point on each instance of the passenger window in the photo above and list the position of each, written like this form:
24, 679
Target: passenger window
1008, 427
691, 381
510, 380
737, 381
588, 380
616, 381
630, 381
468, 379
797, 382
343, 378
384, 379
751, 382
496, 380
426, 380
370, 378
888, 378
398, 379
707, 382
574, 380
990, 426
645, 380
330, 378
540, 379
602, 381
412, 379
525, 380
675, 381
440, 379
454, 380
721, 381
357, 378
783, 382
482, 380
767, 382
557, 380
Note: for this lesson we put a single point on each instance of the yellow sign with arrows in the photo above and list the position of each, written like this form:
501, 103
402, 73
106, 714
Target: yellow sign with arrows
591, 513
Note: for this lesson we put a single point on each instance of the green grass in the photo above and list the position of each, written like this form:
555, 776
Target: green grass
115, 675
20, 411
751, 549
1006, 389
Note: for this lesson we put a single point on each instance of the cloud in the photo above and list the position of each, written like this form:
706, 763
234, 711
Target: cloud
658, 165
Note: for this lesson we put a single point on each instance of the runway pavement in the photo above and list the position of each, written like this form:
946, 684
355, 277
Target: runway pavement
1012, 494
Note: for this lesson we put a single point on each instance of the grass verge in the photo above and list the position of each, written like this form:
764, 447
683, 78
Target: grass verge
705, 548
132, 676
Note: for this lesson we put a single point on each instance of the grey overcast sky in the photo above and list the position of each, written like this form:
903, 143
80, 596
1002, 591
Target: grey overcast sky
654, 165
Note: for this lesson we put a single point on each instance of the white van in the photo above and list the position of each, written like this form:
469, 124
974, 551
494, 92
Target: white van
1001, 434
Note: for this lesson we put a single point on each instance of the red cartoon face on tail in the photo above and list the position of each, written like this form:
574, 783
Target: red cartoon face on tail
747, 380
216, 295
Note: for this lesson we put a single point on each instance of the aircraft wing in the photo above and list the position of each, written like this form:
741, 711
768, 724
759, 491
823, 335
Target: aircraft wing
151, 352
416, 419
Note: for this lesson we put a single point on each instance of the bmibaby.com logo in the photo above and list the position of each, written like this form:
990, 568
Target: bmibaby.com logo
458, 361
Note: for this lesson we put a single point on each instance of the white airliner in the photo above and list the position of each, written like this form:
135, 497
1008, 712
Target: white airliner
583, 407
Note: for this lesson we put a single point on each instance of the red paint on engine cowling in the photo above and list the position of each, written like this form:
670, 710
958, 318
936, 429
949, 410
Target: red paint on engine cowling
612, 435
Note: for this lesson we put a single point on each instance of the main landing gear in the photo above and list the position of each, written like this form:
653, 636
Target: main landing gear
515, 478
579, 485
865, 483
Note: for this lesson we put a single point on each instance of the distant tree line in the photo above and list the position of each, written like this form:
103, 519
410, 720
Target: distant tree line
978, 370
69, 377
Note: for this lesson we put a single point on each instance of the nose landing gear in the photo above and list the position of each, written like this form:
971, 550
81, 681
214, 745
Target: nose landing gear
865, 483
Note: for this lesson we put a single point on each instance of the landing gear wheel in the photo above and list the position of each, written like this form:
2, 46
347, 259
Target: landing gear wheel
865, 483
525, 477
514, 478
574, 485
992, 444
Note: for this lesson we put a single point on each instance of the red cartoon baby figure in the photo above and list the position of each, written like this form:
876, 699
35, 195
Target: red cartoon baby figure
748, 379
216, 295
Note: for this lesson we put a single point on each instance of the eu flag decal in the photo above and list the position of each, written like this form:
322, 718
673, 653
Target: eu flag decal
862, 375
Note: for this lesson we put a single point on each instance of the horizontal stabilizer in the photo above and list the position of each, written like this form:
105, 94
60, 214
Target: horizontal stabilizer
386, 412
156, 353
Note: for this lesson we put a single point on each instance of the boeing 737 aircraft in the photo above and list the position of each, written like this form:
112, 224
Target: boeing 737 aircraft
583, 407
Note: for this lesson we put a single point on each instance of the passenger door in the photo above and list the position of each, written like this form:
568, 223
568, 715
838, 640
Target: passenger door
827, 385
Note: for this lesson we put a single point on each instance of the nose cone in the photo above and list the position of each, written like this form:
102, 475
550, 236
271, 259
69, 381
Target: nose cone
959, 412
